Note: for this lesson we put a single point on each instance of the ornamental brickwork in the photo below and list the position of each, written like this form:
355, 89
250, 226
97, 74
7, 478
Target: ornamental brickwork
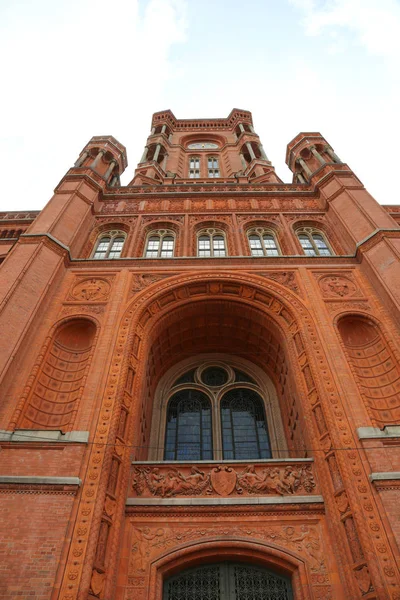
121, 466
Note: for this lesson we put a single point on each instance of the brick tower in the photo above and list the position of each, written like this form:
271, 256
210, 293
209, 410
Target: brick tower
200, 376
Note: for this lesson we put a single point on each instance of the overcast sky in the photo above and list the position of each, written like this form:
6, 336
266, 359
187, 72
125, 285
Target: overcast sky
77, 68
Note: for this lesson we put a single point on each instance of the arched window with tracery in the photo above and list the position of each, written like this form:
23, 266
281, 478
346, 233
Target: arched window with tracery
211, 243
189, 429
109, 245
263, 242
224, 393
160, 244
313, 242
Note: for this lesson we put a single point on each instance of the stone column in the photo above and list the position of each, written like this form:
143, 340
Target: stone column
97, 159
164, 162
82, 159
114, 181
317, 155
251, 128
144, 155
242, 158
304, 166
300, 178
263, 155
110, 169
163, 129
332, 154
153, 130
157, 152
251, 151
242, 130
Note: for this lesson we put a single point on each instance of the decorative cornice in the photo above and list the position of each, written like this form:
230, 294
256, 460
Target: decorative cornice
370, 433
224, 501
29, 436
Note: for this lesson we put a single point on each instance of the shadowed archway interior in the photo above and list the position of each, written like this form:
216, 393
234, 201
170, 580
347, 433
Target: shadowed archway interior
222, 326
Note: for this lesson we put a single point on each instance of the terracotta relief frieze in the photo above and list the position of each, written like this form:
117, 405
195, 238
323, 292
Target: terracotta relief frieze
93, 309
286, 278
166, 481
142, 280
151, 540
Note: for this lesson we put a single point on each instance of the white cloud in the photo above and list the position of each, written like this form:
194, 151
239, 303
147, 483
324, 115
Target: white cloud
74, 70
374, 23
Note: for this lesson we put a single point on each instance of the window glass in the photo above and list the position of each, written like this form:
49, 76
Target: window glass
167, 247
102, 248
321, 245
116, 248
189, 427
244, 427
307, 245
153, 245
204, 245
270, 245
218, 245
194, 167
213, 169
255, 245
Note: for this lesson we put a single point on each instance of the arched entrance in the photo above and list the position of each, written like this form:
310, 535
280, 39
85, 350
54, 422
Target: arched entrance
228, 581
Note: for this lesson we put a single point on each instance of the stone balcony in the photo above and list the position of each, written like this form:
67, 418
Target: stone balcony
274, 481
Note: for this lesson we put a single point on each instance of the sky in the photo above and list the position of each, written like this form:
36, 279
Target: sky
78, 68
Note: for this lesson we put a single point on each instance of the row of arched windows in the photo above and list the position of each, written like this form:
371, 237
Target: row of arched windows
211, 243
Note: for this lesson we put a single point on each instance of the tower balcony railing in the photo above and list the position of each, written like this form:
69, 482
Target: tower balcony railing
269, 481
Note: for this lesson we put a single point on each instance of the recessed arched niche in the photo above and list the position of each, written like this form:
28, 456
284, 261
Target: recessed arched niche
375, 367
54, 397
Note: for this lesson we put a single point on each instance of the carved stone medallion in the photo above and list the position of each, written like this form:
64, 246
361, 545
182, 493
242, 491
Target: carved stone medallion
91, 290
333, 286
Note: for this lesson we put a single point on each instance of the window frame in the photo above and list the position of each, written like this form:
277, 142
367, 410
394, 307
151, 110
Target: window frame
194, 172
113, 235
161, 234
212, 233
214, 171
260, 382
261, 232
310, 232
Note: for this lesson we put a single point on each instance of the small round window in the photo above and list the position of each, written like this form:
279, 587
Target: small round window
214, 376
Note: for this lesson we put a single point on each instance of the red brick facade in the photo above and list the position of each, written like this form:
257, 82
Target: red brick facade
112, 294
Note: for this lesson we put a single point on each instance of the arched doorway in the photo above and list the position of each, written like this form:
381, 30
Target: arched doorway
228, 581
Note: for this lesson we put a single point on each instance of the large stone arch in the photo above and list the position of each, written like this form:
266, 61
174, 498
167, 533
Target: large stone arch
321, 399
270, 556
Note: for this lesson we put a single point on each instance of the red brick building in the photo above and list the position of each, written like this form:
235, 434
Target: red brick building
200, 376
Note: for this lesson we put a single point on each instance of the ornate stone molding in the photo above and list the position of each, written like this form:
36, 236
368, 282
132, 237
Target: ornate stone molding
166, 481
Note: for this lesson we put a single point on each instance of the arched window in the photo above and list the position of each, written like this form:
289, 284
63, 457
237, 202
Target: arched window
160, 244
194, 167
189, 429
213, 168
313, 242
109, 245
263, 243
244, 427
216, 411
211, 243
228, 581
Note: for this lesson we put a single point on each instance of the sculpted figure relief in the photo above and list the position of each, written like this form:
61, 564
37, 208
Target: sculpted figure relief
166, 482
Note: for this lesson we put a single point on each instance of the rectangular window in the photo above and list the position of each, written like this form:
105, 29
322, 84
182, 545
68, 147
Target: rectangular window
213, 169
152, 247
194, 167
167, 247
204, 246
